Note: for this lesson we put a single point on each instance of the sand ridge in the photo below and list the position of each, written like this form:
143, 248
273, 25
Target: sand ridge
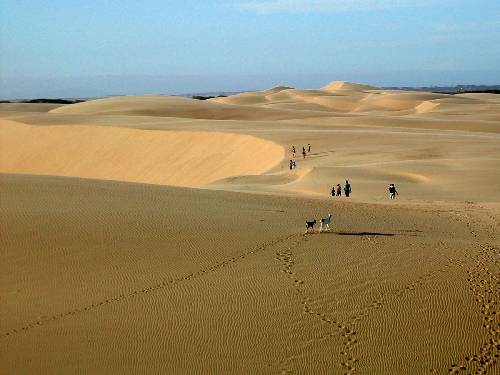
191, 159
343, 85
170, 106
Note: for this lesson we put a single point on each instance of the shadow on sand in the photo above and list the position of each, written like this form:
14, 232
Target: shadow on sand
362, 234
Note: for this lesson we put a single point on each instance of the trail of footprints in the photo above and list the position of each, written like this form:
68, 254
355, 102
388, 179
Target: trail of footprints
287, 260
485, 287
346, 329
160, 285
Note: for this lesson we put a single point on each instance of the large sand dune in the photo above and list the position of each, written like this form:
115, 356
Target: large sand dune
175, 158
101, 277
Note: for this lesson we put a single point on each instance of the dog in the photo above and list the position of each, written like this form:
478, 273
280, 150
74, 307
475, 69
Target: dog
325, 222
310, 224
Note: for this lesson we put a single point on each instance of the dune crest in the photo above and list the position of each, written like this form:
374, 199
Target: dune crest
191, 159
426, 106
343, 85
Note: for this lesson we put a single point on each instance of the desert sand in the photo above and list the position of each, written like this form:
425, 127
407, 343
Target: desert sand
165, 235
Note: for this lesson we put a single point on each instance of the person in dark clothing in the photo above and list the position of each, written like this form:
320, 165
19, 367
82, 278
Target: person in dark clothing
392, 191
347, 188
308, 147
339, 190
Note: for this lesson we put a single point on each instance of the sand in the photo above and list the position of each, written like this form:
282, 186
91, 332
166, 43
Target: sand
106, 269
177, 158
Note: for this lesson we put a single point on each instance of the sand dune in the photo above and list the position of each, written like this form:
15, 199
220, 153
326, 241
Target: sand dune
343, 85
117, 280
176, 107
170, 158
102, 275
343, 97
28, 107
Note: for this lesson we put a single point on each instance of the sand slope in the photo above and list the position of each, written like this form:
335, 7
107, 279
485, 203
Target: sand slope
343, 85
170, 158
389, 290
176, 107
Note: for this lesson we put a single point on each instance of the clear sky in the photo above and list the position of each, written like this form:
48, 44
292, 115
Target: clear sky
69, 48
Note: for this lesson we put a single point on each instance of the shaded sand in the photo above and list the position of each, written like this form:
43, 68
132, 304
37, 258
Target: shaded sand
101, 277
169, 157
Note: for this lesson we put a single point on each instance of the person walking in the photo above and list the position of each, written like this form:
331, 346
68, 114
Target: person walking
347, 188
392, 191
304, 152
291, 164
333, 191
308, 147
339, 190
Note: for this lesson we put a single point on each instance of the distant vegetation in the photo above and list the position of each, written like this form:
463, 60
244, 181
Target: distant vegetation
201, 97
459, 89
50, 101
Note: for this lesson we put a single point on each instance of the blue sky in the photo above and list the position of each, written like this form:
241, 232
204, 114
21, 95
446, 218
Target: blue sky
104, 47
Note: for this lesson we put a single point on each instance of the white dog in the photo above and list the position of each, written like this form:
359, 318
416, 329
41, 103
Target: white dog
325, 222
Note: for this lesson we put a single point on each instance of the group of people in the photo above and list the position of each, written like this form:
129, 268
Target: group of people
305, 150
337, 190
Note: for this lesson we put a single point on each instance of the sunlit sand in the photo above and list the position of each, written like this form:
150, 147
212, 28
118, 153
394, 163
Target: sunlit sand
155, 235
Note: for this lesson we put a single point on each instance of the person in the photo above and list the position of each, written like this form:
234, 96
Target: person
347, 188
333, 191
291, 164
339, 190
304, 152
294, 165
392, 191
308, 147
293, 149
